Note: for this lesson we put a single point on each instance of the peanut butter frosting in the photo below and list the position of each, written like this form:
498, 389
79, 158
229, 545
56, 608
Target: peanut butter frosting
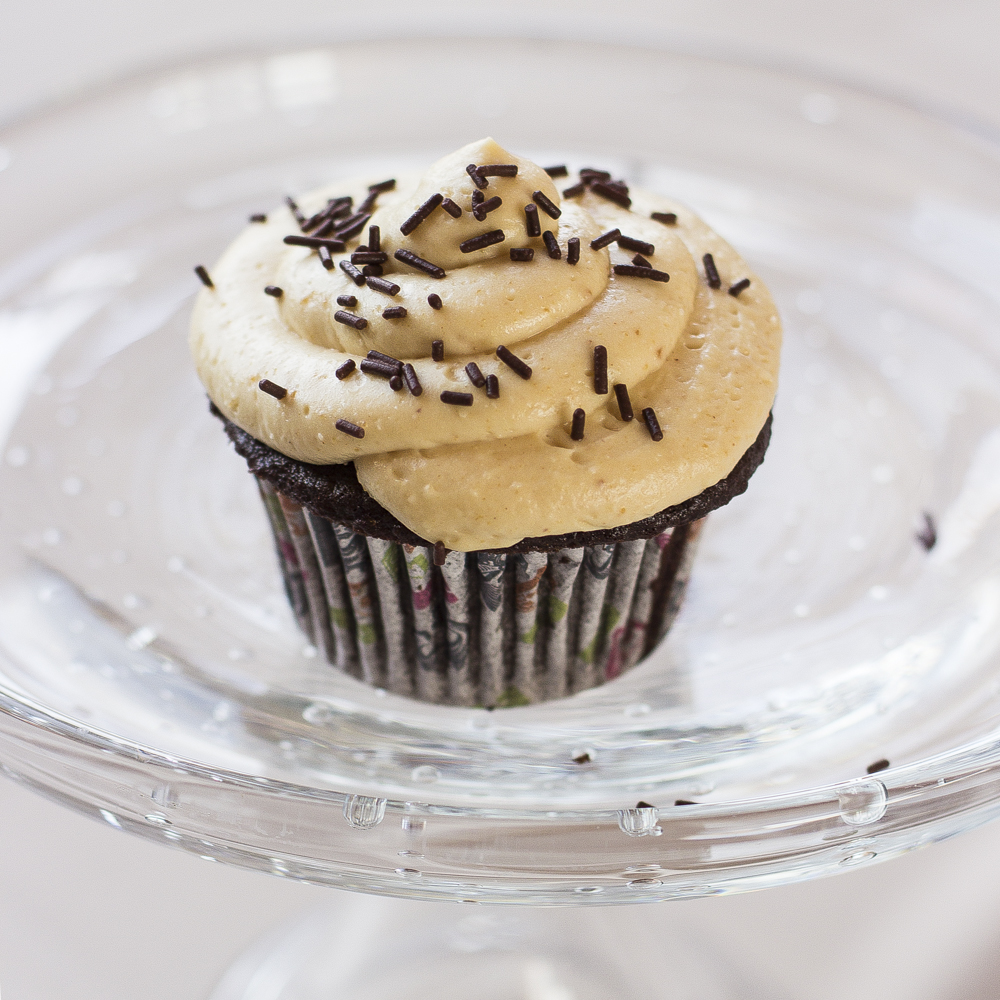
699, 363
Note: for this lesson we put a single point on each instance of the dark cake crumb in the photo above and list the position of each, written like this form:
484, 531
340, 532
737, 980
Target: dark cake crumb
928, 535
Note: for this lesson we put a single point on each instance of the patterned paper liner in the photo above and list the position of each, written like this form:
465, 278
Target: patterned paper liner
490, 628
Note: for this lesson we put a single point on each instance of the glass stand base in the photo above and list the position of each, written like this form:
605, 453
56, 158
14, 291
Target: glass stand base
371, 948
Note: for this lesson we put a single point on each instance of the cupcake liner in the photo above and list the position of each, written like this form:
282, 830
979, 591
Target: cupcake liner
486, 628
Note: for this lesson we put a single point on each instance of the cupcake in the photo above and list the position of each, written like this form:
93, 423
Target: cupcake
488, 408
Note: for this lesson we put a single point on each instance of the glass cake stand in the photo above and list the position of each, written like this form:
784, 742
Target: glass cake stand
152, 676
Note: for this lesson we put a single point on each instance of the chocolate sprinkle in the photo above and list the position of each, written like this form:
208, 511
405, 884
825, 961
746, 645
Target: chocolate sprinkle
324, 258
421, 213
574, 191
372, 270
274, 291
711, 271
353, 225
374, 239
612, 193
396, 383
579, 420
546, 204
294, 209
368, 204
492, 387
876, 766
393, 312
643, 805
352, 272
531, 224
484, 208
558, 171
348, 428
349, 301
477, 177
667, 218
628, 243
203, 274
386, 359
588, 175
418, 263
453, 209
369, 257
476, 377
383, 285
630, 270
345, 369
349, 319
928, 537
573, 250
652, 424
314, 241
456, 398
497, 170
411, 380
552, 245
522, 253
383, 185
684, 802
741, 286
333, 209
437, 350
258, 217
513, 361
601, 370
605, 240
583, 758
384, 369
434, 300
624, 403
272, 388
477, 198
640, 261
440, 554
326, 228
482, 241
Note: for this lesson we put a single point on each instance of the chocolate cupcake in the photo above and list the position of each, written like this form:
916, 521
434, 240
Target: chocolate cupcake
488, 417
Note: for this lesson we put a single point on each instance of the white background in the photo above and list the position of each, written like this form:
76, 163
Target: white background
86, 912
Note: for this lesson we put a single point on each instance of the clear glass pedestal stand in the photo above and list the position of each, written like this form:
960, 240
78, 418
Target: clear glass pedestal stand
152, 676
368, 948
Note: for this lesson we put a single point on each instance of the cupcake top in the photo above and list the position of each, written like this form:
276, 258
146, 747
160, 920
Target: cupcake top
448, 334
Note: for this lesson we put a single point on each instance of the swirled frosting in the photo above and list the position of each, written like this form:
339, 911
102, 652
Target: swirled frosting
487, 475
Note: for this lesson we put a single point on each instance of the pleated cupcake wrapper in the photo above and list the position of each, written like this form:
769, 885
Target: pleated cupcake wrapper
491, 629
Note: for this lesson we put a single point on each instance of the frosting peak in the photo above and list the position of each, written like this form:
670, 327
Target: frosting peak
439, 239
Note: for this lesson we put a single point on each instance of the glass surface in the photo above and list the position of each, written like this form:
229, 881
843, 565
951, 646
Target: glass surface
151, 672
371, 949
